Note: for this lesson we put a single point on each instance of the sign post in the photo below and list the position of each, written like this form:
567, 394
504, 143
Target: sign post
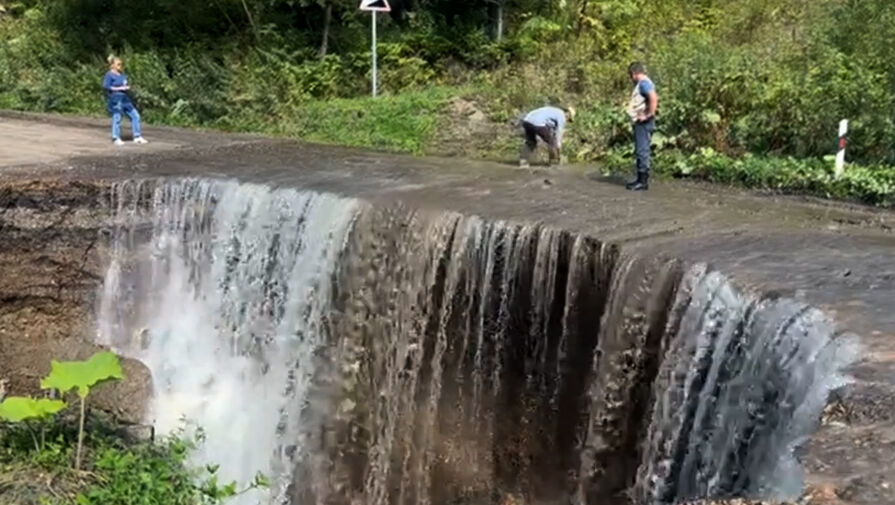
375, 6
375, 72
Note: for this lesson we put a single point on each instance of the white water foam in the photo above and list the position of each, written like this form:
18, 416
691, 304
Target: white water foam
222, 290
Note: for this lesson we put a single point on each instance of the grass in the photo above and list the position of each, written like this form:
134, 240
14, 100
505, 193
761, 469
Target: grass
117, 470
400, 123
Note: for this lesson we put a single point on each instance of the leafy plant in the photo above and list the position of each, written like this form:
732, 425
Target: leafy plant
21, 409
121, 472
82, 376
149, 474
871, 185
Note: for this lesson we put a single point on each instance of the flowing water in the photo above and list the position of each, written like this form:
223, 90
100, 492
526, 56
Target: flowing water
362, 354
223, 290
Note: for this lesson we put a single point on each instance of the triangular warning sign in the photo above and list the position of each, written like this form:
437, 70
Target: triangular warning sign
375, 5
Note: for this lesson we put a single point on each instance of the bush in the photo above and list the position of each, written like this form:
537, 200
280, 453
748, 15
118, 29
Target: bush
873, 185
117, 472
403, 122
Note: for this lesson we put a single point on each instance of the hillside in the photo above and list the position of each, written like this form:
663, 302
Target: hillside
751, 91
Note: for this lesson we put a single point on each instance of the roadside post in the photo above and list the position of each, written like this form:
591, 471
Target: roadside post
840, 154
374, 6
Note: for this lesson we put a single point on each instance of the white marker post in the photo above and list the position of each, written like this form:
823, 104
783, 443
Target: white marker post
375, 6
840, 155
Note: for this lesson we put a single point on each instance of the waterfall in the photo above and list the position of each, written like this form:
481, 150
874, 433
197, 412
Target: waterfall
742, 384
223, 291
382, 355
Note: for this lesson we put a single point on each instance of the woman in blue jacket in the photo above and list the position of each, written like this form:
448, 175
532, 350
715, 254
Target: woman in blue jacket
119, 102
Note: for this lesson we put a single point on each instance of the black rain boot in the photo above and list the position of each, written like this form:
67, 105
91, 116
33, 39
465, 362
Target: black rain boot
641, 184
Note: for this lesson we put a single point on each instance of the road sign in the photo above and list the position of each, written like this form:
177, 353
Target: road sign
375, 5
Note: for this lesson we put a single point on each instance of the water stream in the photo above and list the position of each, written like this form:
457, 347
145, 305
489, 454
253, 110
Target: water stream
380, 355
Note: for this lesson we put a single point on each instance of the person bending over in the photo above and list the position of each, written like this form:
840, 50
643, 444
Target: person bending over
119, 102
548, 124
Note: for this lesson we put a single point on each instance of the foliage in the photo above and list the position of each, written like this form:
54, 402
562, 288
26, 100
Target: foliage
82, 376
28, 411
147, 474
767, 77
119, 472
403, 122
18, 408
866, 184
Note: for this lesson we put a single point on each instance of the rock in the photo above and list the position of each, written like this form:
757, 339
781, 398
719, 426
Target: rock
477, 117
347, 406
126, 399
734, 501
464, 109
461, 107
137, 433
823, 493
511, 499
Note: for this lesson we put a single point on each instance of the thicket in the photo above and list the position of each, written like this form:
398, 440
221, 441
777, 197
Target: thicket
765, 78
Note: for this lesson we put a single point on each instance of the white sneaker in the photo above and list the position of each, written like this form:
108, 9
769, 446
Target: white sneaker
140, 140
118, 142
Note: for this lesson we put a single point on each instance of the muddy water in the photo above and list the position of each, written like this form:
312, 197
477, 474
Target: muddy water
380, 355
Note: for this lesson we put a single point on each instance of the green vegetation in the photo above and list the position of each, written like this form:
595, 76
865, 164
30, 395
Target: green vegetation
21, 409
751, 91
82, 375
116, 472
404, 122
116, 469
873, 185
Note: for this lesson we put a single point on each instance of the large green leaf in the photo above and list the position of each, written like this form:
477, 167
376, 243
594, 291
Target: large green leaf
20, 408
82, 375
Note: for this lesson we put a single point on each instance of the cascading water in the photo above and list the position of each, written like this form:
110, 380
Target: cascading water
742, 383
377, 355
222, 290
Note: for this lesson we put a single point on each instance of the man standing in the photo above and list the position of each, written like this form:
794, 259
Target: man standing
642, 110
546, 123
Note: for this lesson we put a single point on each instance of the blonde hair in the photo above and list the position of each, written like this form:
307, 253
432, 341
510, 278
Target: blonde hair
112, 59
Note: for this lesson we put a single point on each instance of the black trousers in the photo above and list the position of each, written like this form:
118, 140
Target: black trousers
532, 133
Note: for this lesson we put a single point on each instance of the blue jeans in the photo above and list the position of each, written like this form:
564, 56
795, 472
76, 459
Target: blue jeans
131, 111
643, 135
